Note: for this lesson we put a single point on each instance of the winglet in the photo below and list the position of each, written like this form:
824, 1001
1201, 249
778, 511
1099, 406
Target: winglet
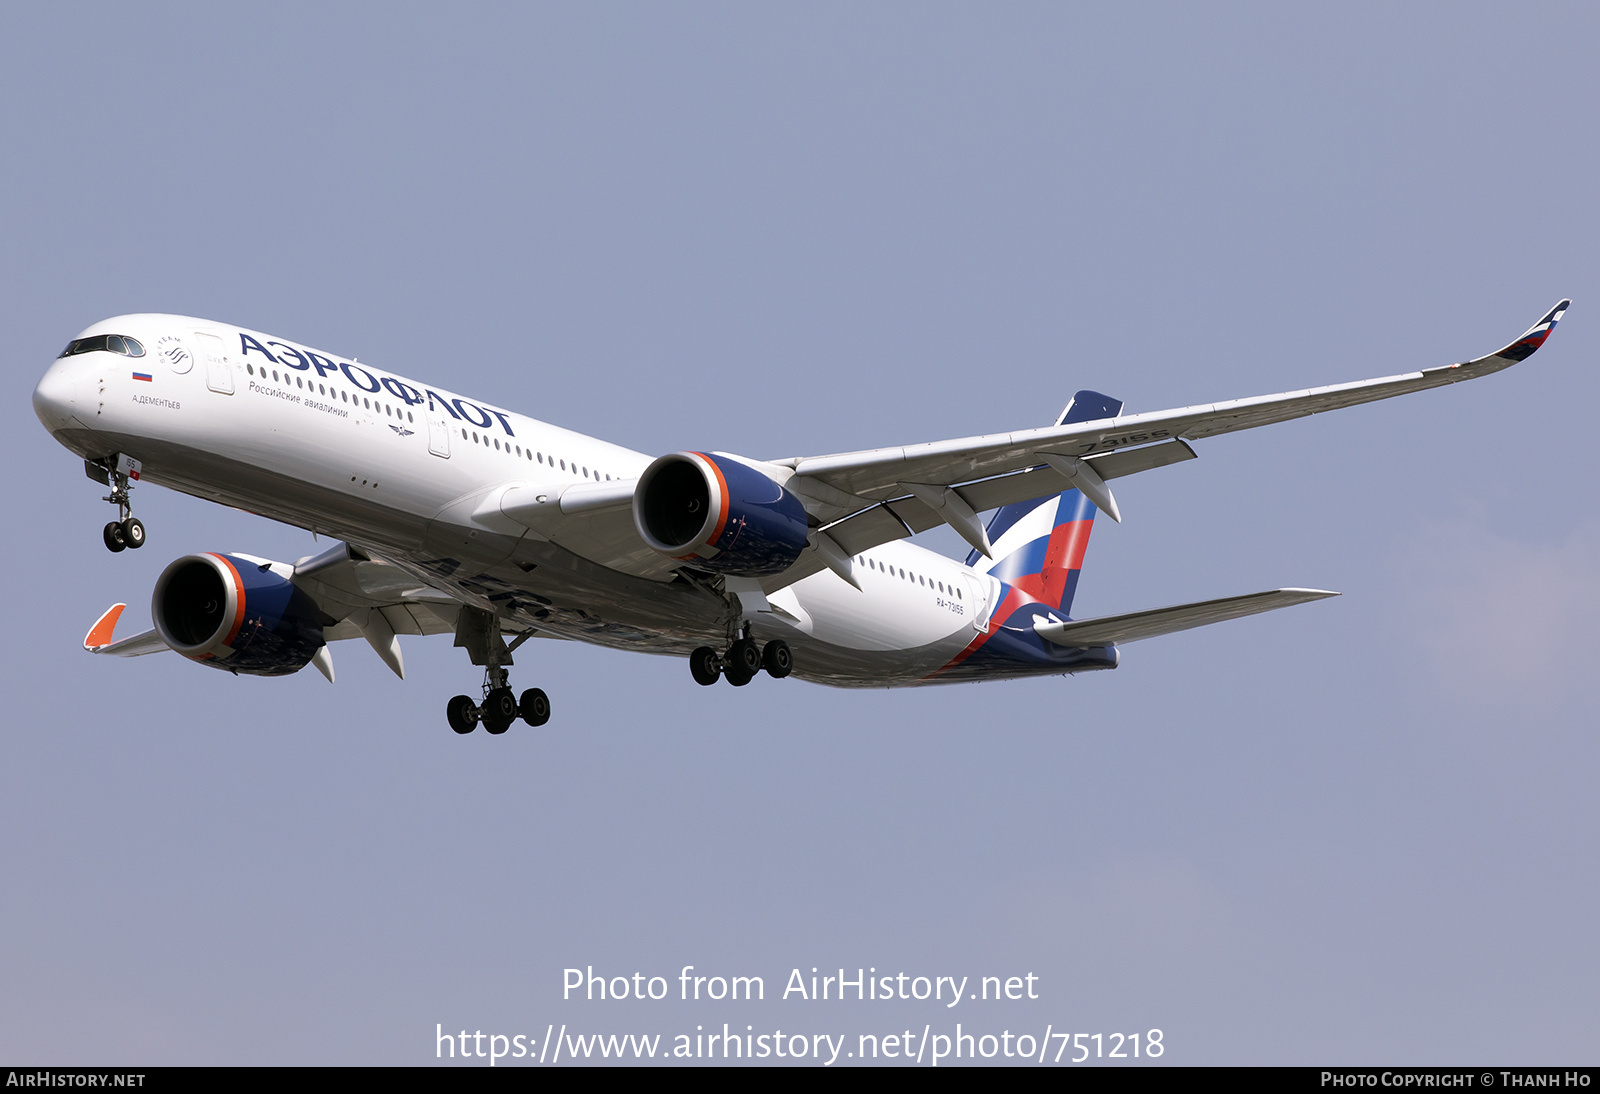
1524, 347
100, 635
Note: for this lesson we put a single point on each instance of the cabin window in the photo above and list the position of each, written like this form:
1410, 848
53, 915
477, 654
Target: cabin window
251, 369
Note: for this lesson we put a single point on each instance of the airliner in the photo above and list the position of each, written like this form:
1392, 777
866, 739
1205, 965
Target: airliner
452, 515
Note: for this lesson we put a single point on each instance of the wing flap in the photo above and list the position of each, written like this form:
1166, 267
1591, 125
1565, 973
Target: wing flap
1181, 617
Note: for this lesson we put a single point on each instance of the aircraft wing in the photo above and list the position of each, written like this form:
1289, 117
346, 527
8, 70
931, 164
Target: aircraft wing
1148, 624
878, 474
348, 584
101, 637
862, 499
857, 500
374, 600
361, 596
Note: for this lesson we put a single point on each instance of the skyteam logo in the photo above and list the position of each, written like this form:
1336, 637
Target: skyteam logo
177, 356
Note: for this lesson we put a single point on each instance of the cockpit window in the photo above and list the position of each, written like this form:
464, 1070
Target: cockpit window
109, 343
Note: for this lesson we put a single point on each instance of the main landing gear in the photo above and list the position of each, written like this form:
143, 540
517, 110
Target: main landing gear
500, 707
479, 632
119, 473
741, 662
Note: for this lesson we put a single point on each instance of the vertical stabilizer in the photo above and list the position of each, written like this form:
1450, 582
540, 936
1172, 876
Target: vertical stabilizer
1039, 544
1039, 550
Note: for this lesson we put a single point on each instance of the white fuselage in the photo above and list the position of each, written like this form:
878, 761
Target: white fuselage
409, 471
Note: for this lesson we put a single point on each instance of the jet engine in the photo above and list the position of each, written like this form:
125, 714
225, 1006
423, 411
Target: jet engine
719, 514
236, 614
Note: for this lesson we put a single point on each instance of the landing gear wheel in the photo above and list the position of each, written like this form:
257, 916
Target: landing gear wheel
499, 710
705, 666
133, 533
535, 707
745, 656
462, 713
737, 677
113, 537
777, 659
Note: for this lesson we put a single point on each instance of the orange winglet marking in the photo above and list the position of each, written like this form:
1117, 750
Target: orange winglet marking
100, 634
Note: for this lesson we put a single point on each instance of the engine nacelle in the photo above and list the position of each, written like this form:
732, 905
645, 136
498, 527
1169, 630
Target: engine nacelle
236, 614
719, 514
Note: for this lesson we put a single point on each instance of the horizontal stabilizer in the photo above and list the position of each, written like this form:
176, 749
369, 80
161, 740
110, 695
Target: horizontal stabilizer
1181, 617
101, 635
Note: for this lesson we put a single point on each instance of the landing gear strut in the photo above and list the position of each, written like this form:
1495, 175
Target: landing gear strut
479, 632
745, 658
119, 473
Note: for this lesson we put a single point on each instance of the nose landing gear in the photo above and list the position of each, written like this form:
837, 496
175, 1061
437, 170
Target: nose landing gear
119, 535
119, 473
744, 659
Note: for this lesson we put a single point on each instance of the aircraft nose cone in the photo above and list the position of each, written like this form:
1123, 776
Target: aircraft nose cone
55, 399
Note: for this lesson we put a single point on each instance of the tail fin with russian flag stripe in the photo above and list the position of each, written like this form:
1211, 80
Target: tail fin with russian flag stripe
1039, 544
1039, 551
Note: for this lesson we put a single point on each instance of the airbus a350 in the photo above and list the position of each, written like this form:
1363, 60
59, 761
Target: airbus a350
456, 516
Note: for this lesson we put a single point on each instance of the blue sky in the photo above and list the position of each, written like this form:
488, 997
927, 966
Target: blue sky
1356, 831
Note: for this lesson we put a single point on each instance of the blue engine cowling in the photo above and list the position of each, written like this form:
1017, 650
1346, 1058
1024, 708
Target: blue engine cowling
236, 614
719, 514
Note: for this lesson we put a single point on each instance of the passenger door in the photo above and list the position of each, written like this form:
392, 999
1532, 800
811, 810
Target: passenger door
219, 375
438, 434
977, 596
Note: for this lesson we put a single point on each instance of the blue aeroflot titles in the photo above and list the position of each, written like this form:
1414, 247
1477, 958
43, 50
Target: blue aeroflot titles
456, 517
306, 360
